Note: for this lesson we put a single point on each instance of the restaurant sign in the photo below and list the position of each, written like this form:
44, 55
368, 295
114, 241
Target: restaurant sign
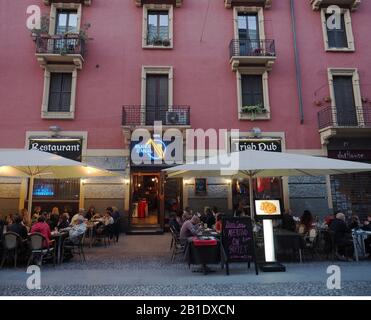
351, 155
243, 144
67, 148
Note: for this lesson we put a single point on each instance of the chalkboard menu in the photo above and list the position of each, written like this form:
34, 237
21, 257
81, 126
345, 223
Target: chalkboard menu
238, 240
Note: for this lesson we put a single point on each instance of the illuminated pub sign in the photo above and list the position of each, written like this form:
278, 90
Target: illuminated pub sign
156, 150
67, 148
243, 144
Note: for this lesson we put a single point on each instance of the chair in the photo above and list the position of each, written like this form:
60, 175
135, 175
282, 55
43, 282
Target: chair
11, 242
178, 247
312, 243
37, 241
102, 234
75, 248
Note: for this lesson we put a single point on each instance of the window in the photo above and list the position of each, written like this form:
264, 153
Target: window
252, 93
66, 21
60, 92
338, 39
252, 90
157, 26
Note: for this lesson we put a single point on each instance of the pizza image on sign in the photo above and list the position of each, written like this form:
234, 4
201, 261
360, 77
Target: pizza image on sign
268, 207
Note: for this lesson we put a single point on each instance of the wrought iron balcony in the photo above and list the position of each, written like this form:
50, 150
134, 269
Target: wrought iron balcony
137, 115
252, 52
331, 117
60, 49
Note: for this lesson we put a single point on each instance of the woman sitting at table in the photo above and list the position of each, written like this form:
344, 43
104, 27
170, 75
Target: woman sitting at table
91, 213
306, 222
63, 222
210, 219
42, 227
218, 224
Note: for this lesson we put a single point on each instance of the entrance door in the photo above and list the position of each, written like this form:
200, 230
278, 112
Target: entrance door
145, 209
248, 33
344, 101
157, 98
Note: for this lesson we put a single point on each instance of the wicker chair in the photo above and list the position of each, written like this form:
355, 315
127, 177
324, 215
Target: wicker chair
37, 248
11, 243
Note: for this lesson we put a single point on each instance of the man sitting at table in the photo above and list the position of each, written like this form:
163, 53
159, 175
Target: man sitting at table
343, 237
77, 230
190, 228
18, 227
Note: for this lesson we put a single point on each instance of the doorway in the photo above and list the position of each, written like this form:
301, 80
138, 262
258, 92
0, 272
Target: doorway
344, 100
146, 205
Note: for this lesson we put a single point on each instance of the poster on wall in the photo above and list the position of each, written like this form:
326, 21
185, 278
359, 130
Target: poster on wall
67, 148
200, 186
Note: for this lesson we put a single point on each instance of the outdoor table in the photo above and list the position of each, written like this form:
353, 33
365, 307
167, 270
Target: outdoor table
203, 254
289, 240
59, 237
359, 237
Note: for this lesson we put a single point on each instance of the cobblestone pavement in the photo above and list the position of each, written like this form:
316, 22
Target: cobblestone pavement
140, 266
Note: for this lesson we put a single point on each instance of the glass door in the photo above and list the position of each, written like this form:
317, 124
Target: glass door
248, 33
157, 98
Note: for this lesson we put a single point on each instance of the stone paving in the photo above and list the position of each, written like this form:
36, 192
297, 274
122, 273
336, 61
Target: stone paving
140, 266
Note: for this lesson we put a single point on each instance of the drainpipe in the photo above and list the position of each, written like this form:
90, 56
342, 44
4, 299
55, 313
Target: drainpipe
297, 62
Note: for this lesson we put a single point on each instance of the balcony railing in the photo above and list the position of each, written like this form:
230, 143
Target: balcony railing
252, 48
136, 115
60, 45
360, 117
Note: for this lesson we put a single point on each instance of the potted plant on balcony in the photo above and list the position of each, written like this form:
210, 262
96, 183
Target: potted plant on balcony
253, 110
166, 42
43, 32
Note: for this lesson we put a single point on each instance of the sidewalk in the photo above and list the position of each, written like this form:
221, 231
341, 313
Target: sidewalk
140, 265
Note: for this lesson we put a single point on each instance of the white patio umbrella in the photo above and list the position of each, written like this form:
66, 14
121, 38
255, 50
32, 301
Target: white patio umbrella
254, 164
36, 164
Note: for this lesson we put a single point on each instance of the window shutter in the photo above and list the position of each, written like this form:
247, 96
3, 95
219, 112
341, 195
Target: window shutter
60, 92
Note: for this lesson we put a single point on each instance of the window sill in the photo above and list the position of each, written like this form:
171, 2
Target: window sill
340, 50
246, 116
58, 115
157, 47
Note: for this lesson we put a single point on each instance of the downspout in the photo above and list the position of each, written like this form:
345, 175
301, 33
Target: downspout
297, 62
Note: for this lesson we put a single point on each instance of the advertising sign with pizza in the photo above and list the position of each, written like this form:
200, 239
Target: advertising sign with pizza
268, 209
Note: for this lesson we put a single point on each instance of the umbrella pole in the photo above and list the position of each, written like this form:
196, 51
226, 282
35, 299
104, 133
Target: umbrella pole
251, 192
30, 193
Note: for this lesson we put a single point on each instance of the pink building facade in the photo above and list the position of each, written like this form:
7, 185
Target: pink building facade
98, 69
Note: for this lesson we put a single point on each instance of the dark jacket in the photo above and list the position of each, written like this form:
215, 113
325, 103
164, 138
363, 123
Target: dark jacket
341, 230
19, 228
288, 222
63, 225
210, 220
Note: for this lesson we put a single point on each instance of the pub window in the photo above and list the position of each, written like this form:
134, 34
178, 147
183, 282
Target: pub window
252, 90
60, 92
158, 28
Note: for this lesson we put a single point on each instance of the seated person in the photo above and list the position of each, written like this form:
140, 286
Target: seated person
367, 227
42, 227
63, 222
190, 228
173, 223
18, 227
210, 219
108, 220
354, 222
343, 237
77, 230
218, 224
306, 222
74, 218
288, 222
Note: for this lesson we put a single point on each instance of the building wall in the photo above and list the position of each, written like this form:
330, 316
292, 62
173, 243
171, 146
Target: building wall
203, 79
